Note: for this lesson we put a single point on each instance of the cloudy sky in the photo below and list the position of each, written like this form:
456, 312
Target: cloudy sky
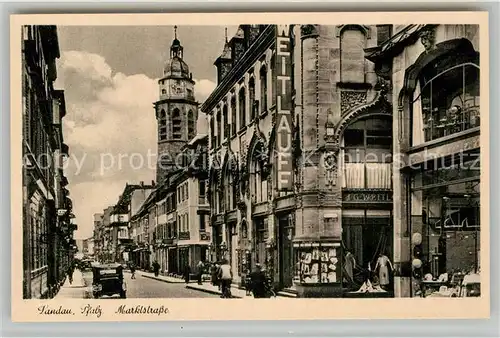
110, 76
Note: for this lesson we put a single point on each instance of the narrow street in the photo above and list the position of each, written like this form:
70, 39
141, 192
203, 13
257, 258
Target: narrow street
141, 287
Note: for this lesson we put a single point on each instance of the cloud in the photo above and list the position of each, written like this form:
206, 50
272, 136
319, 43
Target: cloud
110, 115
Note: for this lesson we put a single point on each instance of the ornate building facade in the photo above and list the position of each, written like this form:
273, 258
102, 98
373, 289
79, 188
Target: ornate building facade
436, 118
296, 111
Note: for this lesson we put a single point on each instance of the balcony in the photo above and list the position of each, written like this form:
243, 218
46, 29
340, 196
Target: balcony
367, 176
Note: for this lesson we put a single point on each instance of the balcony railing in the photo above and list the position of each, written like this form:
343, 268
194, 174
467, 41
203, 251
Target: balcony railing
367, 176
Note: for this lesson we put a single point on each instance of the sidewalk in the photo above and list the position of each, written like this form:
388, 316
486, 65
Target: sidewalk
75, 290
209, 288
161, 278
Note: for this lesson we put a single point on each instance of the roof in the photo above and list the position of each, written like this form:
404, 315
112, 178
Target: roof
122, 206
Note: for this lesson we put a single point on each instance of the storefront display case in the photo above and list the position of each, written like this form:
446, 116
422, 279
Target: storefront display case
318, 269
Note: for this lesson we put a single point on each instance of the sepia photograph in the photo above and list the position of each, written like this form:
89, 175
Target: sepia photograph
244, 161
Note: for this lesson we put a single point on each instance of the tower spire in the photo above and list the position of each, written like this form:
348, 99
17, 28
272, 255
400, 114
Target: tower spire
225, 34
175, 32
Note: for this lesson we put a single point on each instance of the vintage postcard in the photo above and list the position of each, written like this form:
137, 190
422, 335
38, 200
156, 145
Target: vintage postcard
250, 166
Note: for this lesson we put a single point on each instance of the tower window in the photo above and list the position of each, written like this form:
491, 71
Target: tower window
162, 125
212, 131
242, 106
163, 92
176, 124
263, 88
191, 124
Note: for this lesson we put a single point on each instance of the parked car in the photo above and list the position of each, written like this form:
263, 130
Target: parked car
108, 280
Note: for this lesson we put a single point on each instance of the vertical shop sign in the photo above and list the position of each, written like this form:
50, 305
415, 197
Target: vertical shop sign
283, 90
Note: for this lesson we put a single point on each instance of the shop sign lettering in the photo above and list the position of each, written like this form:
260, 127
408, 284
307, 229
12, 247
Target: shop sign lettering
283, 92
367, 197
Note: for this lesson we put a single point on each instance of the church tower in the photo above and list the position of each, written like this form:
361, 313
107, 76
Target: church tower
176, 111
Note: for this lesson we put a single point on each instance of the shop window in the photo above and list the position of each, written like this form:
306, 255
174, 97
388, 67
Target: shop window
317, 263
368, 154
242, 107
233, 116
176, 124
352, 61
263, 89
445, 103
251, 97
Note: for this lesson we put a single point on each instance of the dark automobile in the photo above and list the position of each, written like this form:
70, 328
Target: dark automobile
108, 281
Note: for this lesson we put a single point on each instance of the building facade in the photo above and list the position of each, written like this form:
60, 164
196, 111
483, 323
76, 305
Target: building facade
98, 236
313, 143
436, 119
48, 244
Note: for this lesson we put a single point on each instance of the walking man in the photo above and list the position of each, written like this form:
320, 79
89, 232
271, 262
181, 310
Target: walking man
200, 268
226, 277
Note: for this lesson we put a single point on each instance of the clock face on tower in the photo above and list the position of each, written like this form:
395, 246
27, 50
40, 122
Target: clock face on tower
177, 88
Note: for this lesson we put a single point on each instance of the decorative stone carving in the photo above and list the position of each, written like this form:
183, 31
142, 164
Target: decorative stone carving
350, 99
239, 50
428, 38
331, 166
309, 31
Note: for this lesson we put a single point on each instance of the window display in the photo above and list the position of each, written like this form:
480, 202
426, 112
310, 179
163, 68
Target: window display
317, 263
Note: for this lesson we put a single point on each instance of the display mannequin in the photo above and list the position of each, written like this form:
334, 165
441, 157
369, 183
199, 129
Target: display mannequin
350, 263
383, 264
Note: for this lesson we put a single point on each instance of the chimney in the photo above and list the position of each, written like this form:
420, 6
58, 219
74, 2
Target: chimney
153, 183
142, 183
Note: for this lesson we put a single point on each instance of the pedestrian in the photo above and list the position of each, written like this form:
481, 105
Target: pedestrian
156, 268
258, 282
132, 270
226, 277
213, 273
187, 273
200, 267
71, 270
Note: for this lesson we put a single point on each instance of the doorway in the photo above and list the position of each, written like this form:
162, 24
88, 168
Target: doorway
285, 253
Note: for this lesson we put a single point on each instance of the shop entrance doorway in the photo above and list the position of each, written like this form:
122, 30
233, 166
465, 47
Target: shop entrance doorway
285, 254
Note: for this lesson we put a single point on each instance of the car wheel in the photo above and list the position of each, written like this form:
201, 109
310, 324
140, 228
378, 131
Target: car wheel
123, 295
96, 295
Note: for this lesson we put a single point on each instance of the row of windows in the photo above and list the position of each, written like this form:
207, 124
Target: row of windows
183, 192
238, 106
39, 243
175, 122
167, 231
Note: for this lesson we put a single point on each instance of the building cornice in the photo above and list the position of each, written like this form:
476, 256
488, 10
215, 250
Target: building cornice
263, 42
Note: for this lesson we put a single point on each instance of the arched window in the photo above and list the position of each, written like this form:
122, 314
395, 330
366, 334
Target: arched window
233, 116
258, 179
352, 60
226, 123
176, 124
219, 128
251, 96
242, 106
212, 132
229, 189
263, 89
446, 101
191, 124
162, 121
163, 92
368, 154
